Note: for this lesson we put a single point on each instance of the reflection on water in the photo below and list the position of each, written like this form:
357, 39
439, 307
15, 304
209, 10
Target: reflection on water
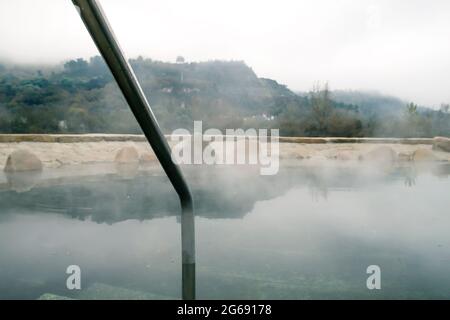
308, 232
22, 181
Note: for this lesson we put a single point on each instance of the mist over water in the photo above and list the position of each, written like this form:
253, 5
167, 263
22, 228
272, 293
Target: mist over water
308, 232
354, 94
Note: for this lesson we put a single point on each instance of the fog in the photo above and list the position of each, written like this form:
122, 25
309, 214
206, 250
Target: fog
308, 232
395, 47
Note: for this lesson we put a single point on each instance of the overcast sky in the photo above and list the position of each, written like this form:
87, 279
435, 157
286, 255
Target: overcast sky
398, 47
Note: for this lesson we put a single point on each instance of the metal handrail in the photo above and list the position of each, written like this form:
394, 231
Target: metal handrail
95, 21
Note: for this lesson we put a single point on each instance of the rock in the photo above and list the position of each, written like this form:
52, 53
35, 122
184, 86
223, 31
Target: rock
127, 170
403, 156
383, 154
127, 162
22, 160
51, 296
424, 155
127, 155
441, 143
23, 181
147, 157
344, 156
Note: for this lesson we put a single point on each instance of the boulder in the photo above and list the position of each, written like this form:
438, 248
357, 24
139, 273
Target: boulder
127, 155
441, 143
344, 156
127, 170
147, 157
383, 154
405, 156
424, 155
22, 160
23, 181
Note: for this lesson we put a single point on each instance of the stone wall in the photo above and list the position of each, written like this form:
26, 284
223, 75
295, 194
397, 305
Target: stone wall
58, 150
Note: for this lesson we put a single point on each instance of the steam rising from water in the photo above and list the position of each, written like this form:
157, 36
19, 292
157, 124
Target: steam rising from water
309, 232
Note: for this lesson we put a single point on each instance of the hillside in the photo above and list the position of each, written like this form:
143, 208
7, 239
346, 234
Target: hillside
80, 96
369, 102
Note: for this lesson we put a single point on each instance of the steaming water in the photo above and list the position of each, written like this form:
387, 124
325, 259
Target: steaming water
308, 232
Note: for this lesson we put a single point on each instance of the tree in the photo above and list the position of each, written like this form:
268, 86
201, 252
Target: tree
445, 107
76, 67
411, 109
321, 108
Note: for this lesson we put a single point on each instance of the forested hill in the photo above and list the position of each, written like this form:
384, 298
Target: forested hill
81, 96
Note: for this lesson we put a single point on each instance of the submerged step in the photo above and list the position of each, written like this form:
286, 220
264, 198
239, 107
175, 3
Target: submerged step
101, 291
51, 296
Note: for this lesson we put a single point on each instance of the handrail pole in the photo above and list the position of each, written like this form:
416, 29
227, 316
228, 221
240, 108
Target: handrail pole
96, 23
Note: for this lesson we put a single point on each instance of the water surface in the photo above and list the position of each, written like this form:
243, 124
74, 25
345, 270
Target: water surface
308, 232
